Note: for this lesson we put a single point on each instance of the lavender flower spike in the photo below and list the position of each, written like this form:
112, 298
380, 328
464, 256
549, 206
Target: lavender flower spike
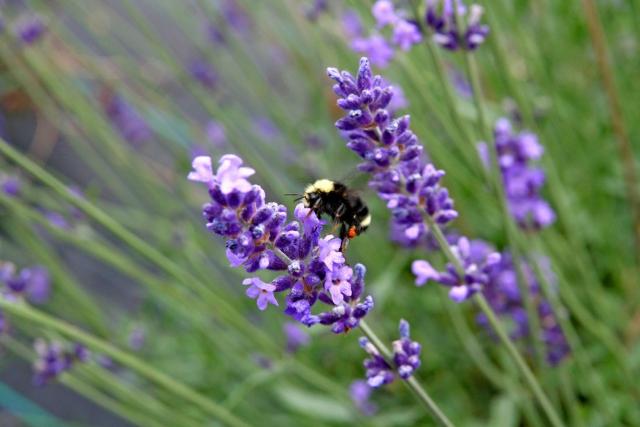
522, 182
462, 287
406, 353
392, 154
379, 372
260, 238
456, 27
55, 358
383, 12
406, 359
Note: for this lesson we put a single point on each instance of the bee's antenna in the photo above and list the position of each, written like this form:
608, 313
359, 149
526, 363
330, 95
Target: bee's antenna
292, 194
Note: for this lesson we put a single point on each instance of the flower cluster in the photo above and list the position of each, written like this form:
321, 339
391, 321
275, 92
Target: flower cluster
55, 358
29, 28
453, 27
296, 337
406, 359
360, 393
504, 296
125, 118
522, 182
10, 185
317, 8
392, 154
203, 73
259, 237
476, 271
404, 34
32, 282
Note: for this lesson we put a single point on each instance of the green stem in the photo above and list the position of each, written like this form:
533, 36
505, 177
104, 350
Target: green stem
26, 312
525, 371
412, 383
625, 148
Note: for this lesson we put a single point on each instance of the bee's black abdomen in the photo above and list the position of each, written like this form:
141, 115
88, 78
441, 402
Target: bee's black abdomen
341, 204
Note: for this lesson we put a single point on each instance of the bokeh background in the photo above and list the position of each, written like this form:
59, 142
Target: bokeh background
113, 98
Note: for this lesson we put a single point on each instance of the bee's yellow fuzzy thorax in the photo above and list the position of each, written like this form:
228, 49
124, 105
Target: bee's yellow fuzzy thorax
321, 185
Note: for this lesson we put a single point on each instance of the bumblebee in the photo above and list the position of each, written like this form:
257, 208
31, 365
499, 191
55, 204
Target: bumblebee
340, 203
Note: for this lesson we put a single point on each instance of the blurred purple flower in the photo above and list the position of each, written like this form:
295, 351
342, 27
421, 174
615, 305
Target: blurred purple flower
317, 8
375, 47
522, 182
460, 83
296, 337
29, 28
54, 358
360, 392
57, 220
137, 338
236, 16
503, 295
38, 285
11, 185
214, 34
351, 24
445, 19
265, 128
406, 34
105, 361
398, 101
203, 72
216, 134
126, 119
33, 282
384, 13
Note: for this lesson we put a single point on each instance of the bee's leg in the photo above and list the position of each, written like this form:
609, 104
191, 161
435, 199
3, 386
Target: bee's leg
313, 208
345, 244
334, 228
344, 235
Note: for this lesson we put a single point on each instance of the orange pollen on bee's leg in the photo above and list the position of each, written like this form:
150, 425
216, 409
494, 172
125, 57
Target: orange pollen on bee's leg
352, 232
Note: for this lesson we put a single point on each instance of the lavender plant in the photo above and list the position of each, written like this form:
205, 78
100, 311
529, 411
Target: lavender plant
260, 238
367, 124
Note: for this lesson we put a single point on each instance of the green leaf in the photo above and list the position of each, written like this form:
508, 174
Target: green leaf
314, 405
503, 412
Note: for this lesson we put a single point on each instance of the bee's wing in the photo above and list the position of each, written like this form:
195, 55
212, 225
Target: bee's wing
356, 181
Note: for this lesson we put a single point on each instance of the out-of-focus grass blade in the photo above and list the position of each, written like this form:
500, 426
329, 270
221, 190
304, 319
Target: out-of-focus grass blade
504, 412
314, 405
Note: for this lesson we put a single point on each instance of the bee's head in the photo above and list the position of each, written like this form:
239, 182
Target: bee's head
313, 193
311, 198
